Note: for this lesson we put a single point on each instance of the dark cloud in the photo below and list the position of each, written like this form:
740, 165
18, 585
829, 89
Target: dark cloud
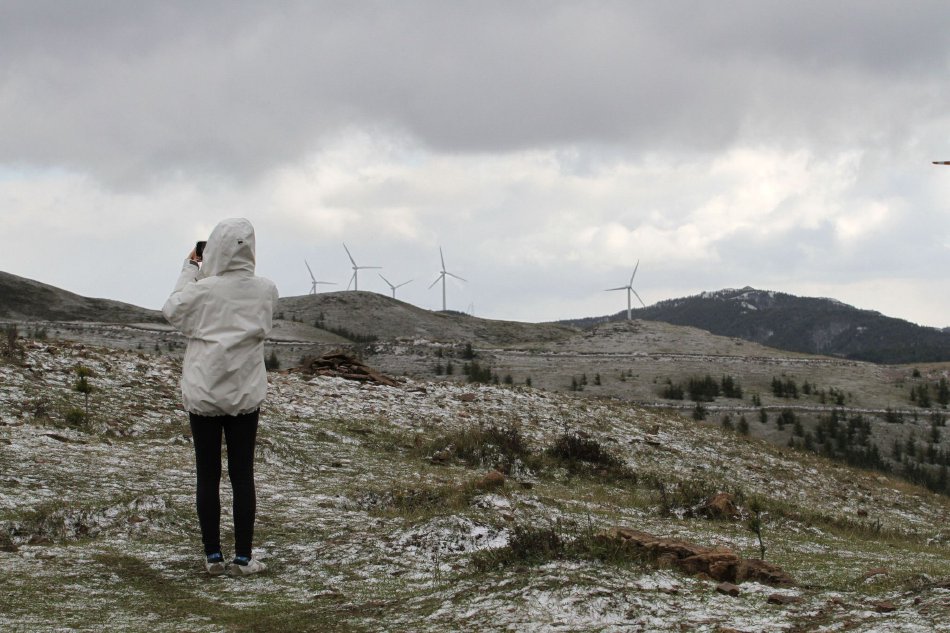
131, 91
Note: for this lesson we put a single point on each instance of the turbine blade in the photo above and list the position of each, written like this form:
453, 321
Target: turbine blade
437, 280
352, 279
348, 254
442, 257
387, 281
456, 276
620, 288
638, 297
404, 283
309, 271
634, 272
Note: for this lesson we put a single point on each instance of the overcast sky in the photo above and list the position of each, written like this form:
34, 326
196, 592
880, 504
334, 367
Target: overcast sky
547, 147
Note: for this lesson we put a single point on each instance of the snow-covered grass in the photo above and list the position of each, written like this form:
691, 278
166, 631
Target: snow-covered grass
362, 531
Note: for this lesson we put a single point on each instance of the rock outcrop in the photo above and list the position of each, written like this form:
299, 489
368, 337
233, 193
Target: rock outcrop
717, 563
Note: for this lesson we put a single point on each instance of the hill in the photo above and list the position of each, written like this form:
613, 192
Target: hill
800, 324
375, 514
371, 316
29, 300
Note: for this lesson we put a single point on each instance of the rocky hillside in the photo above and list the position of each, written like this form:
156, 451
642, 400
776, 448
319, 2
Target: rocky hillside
378, 511
800, 324
25, 299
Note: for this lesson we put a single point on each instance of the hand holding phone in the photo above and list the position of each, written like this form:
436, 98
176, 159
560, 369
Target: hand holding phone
199, 251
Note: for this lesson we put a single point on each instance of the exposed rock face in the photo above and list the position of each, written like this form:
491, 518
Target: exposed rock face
717, 563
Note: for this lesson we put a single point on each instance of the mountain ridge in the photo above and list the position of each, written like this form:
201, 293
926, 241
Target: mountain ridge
814, 325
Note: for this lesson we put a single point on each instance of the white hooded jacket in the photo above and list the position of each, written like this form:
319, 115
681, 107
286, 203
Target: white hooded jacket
225, 311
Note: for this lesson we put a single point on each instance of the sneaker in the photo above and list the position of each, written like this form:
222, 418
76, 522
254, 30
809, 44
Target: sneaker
214, 563
241, 566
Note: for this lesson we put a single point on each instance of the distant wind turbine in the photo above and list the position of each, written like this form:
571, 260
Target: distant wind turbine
442, 276
392, 286
356, 269
629, 289
314, 282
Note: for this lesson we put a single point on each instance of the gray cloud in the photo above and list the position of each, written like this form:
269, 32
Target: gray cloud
131, 91
547, 145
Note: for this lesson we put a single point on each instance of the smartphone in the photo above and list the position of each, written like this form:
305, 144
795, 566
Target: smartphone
200, 248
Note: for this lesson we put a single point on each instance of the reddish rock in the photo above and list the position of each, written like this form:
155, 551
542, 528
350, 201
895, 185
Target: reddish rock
721, 505
714, 563
467, 397
492, 480
885, 606
783, 598
728, 589
761, 571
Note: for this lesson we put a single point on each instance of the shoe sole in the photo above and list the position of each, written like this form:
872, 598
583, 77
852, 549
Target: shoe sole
238, 570
215, 569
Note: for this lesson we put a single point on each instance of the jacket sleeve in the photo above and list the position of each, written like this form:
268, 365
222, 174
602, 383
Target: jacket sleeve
181, 308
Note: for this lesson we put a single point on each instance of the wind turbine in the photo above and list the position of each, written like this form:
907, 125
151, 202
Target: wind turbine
314, 282
629, 289
392, 286
356, 269
442, 278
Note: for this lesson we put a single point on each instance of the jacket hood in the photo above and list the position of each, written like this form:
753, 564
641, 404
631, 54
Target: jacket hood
230, 248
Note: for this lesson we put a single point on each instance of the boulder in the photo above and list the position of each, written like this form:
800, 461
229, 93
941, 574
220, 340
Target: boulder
728, 589
492, 480
783, 599
721, 505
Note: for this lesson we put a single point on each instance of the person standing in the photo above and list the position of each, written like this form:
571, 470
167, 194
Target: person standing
225, 311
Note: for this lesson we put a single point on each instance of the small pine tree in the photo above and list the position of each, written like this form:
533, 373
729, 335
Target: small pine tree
272, 363
755, 524
743, 426
83, 386
727, 423
527, 381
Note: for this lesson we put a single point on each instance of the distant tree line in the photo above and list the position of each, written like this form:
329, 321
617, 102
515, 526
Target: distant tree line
705, 389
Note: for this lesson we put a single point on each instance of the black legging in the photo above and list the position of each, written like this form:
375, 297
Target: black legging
240, 433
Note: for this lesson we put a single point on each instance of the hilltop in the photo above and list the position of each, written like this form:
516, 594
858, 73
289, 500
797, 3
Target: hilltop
369, 521
369, 315
26, 299
799, 324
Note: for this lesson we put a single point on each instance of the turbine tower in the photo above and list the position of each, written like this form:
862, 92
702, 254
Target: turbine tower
313, 280
442, 276
392, 286
629, 289
356, 269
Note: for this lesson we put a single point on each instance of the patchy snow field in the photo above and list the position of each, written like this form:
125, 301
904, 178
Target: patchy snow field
98, 532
